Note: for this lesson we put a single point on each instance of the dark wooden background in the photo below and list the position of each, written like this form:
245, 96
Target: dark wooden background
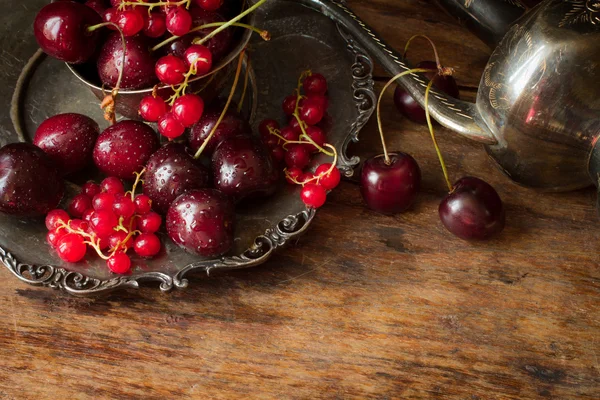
364, 306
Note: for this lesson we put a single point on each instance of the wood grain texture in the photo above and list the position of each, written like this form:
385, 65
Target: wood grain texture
363, 306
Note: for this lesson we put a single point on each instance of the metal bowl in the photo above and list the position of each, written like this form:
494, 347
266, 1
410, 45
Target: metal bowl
263, 227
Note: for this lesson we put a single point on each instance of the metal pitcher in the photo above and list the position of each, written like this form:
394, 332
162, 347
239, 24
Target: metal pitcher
538, 104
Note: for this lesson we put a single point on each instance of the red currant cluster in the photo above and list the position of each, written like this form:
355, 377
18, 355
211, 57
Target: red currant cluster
105, 218
295, 143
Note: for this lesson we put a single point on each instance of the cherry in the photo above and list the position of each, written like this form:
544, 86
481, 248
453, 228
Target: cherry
473, 210
103, 201
90, 189
265, 126
242, 168
29, 183
96, 5
79, 205
150, 222
152, 108
313, 195
112, 185
124, 148
103, 222
200, 57
317, 135
289, 104
143, 204
390, 188
131, 22
188, 109
330, 180
155, 25
119, 263
123, 206
170, 70
210, 5
169, 126
138, 72
202, 222
315, 84
61, 31
178, 21
409, 107
311, 112
297, 156
170, 172
116, 241
71, 247
147, 245
68, 140
53, 236
55, 218
231, 125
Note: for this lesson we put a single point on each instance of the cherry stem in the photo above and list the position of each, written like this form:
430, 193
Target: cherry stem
138, 180
400, 75
443, 71
231, 93
435, 144
246, 77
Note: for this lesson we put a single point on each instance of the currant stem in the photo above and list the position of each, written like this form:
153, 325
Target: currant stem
231, 93
138, 179
400, 75
435, 144
157, 4
246, 77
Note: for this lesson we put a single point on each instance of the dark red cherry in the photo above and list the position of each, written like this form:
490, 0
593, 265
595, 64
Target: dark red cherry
409, 107
68, 140
473, 210
392, 188
61, 30
139, 62
155, 25
30, 184
124, 148
243, 168
202, 222
170, 172
97, 5
231, 125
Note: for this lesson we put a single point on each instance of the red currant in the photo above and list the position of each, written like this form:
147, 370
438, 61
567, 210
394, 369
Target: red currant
317, 135
272, 141
79, 225
210, 5
315, 84
293, 174
320, 101
306, 177
313, 195
263, 128
170, 70
289, 104
289, 134
297, 156
119, 263
112, 185
143, 204
311, 113
200, 57
71, 247
295, 125
90, 189
156, 25
116, 241
147, 245
56, 218
103, 201
328, 180
152, 108
87, 215
131, 22
123, 206
149, 223
103, 222
179, 21
54, 235
188, 109
278, 154
79, 205
111, 15
169, 126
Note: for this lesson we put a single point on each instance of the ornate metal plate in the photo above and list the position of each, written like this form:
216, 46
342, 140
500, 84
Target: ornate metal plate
301, 39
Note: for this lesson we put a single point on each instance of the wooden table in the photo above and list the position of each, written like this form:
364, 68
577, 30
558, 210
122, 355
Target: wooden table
365, 306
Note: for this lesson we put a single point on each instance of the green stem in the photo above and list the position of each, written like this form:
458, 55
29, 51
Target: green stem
246, 76
435, 144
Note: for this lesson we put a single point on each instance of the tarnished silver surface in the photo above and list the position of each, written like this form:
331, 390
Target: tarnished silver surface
301, 39
538, 105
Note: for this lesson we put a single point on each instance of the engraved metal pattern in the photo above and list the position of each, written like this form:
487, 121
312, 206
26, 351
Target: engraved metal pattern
582, 12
